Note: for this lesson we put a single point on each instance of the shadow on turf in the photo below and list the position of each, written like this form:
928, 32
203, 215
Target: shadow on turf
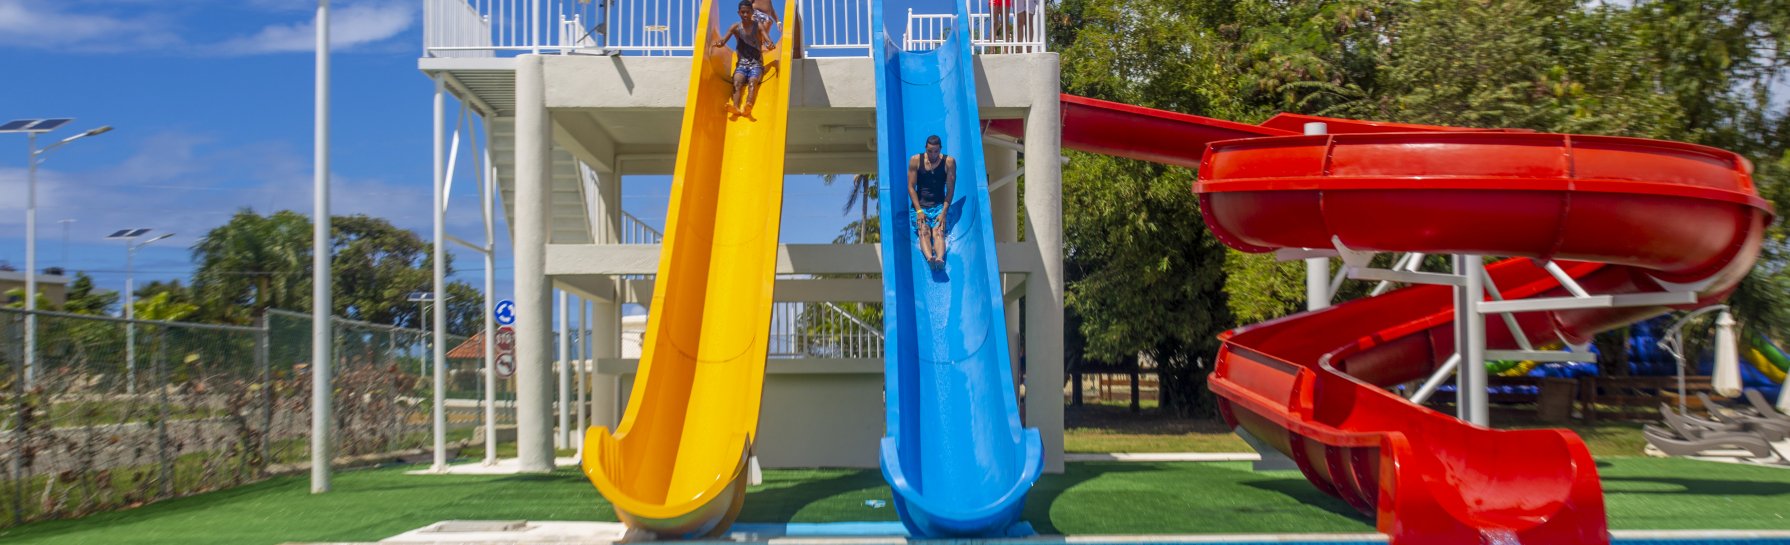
1706, 487
1051, 486
1297, 488
780, 504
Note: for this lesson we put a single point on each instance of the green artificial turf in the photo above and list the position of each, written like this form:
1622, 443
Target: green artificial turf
1091, 498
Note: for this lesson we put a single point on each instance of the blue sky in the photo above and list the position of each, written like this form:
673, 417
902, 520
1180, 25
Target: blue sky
212, 105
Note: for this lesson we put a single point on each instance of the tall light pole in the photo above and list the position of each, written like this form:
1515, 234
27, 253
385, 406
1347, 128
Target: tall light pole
31, 128
321, 330
130, 300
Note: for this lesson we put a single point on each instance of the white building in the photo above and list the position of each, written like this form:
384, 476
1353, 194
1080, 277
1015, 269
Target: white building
570, 109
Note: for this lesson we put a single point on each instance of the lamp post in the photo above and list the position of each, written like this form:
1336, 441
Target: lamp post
130, 300
32, 128
321, 331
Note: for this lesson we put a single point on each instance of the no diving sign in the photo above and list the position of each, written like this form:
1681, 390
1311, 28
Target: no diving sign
506, 351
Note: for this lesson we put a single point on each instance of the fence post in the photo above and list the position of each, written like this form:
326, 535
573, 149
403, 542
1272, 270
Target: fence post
161, 422
15, 467
264, 364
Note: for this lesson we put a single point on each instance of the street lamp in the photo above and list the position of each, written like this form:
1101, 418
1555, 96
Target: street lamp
130, 300
32, 128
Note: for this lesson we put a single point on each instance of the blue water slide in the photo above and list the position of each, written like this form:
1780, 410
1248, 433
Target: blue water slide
954, 451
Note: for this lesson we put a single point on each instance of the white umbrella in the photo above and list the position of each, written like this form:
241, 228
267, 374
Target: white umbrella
1727, 357
1784, 396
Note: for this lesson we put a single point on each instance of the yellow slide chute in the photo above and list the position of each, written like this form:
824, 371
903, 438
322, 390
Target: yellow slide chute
676, 465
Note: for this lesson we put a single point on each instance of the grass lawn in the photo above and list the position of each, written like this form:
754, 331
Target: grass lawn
1091, 498
1113, 428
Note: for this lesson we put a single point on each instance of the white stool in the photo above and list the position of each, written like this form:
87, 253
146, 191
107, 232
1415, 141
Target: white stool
663, 32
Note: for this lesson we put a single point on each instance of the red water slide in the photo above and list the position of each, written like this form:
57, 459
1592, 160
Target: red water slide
1620, 215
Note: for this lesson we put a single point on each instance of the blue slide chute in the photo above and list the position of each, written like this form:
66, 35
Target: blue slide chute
954, 451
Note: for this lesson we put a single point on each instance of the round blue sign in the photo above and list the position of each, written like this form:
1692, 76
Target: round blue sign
505, 312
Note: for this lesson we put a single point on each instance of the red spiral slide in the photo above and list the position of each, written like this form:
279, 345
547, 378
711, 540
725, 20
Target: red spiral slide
1620, 215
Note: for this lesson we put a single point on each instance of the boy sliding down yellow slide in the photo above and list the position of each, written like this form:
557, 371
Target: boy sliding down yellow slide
749, 45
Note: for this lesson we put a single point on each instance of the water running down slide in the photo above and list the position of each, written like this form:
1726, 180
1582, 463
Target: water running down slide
954, 451
1312, 385
676, 465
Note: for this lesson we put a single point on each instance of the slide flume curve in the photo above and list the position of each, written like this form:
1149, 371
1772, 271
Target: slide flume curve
1313, 385
954, 451
676, 464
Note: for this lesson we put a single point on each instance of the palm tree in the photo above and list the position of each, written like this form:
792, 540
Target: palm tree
254, 263
863, 189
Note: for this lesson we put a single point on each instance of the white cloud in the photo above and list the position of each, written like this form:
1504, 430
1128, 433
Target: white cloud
200, 27
350, 26
188, 184
42, 24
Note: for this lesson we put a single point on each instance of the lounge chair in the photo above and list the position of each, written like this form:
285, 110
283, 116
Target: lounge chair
1670, 443
1763, 407
1771, 427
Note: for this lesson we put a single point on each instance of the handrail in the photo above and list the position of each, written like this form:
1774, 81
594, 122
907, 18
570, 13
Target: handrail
485, 28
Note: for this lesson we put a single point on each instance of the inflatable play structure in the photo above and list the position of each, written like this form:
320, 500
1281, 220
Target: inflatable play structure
1576, 215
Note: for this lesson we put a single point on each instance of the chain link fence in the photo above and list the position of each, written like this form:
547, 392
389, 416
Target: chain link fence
119, 413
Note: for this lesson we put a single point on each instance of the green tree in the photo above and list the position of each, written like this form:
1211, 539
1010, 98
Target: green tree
83, 298
253, 263
163, 306
1149, 275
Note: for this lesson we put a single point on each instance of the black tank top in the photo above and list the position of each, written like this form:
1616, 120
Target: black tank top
929, 184
749, 50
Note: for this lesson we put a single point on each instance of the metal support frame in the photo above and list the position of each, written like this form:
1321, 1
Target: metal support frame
1472, 286
1673, 343
438, 212
564, 438
488, 209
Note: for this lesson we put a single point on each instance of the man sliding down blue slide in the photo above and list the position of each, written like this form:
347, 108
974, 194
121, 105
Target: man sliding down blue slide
931, 182
955, 453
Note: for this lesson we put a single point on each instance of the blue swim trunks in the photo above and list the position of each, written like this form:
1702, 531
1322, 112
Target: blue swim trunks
935, 216
749, 68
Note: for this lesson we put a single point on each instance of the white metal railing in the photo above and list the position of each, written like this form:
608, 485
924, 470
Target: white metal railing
821, 330
454, 24
926, 31
651, 27
462, 28
837, 25
1007, 26
1004, 29
635, 231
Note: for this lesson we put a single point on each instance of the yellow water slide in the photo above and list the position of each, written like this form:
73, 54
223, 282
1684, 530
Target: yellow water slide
676, 466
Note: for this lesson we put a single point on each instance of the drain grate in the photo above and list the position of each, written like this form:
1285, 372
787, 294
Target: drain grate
463, 526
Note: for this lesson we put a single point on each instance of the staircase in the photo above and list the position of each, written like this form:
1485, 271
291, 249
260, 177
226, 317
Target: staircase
570, 221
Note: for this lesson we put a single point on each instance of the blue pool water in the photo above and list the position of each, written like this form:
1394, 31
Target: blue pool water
764, 531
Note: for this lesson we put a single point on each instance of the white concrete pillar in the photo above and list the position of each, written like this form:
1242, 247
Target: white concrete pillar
606, 325
1044, 287
534, 295
581, 370
564, 438
1317, 269
1004, 207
